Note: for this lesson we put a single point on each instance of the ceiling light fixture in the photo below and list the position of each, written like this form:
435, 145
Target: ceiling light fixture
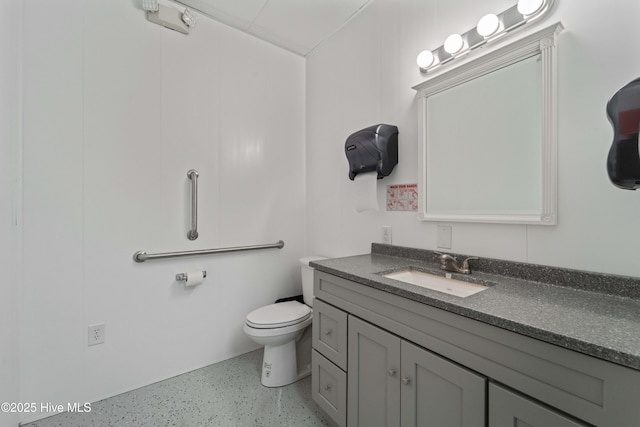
489, 28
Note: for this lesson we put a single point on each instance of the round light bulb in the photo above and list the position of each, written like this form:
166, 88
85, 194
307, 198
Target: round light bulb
530, 7
425, 59
453, 44
488, 25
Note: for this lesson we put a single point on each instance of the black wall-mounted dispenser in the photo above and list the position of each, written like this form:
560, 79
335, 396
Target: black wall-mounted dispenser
623, 162
374, 148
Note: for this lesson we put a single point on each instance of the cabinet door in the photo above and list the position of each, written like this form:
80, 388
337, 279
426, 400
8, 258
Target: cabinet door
439, 393
508, 409
373, 374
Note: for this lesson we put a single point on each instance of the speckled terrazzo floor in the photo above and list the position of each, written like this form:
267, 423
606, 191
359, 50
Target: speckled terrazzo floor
226, 394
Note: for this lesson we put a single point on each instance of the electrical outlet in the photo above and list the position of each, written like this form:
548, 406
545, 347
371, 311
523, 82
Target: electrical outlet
96, 334
386, 234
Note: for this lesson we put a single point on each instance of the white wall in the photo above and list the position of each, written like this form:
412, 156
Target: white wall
10, 27
116, 111
363, 75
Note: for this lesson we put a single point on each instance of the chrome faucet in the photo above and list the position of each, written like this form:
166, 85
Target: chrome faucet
450, 263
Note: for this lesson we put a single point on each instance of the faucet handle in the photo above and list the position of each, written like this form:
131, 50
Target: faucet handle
442, 255
465, 263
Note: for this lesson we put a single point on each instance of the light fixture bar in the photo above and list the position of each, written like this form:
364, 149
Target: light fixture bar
489, 28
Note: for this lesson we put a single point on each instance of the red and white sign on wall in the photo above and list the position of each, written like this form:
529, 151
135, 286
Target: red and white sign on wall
402, 197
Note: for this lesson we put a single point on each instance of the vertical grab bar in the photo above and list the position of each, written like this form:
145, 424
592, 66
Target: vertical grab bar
193, 176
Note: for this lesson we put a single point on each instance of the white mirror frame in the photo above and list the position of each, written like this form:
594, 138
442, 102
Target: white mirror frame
542, 42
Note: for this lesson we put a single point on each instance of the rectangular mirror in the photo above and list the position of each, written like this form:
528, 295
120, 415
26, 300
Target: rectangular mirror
488, 127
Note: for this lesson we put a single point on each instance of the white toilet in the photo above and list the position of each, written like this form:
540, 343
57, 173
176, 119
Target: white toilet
280, 328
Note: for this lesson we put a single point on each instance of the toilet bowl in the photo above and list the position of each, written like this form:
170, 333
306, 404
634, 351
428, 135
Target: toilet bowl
280, 328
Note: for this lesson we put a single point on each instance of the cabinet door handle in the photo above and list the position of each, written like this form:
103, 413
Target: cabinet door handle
327, 387
406, 381
328, 332
391, 372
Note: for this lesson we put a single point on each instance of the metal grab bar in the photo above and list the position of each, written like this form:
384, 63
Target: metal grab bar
193, 176
142, 256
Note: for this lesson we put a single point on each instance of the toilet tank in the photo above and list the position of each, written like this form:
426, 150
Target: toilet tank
307, 278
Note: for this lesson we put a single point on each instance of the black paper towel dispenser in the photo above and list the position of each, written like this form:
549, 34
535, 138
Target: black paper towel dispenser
623, 162
372, 149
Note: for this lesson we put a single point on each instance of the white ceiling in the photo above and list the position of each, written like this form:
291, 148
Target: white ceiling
296, 25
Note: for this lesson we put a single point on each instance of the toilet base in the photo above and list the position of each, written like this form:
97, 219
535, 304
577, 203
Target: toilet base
279, 367
285, 364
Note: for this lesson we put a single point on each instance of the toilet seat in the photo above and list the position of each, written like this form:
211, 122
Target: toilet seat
278, 315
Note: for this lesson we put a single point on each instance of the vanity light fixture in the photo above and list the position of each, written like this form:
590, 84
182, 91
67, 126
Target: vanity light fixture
530, 7
489, 28
454, 44
425, 59
489, 25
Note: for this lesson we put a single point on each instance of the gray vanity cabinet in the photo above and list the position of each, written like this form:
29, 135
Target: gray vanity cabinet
367, 341
329, 361
393, 383
373, 378
330, 333
509, 409
436, 392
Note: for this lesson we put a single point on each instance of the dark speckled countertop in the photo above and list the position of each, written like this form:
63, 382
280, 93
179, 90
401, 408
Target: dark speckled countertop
594, 314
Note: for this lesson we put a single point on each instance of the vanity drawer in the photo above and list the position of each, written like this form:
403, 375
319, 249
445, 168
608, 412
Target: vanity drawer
329, 388
330, 332
508, 408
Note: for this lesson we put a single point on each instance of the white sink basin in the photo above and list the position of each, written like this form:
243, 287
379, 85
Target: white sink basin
436, 283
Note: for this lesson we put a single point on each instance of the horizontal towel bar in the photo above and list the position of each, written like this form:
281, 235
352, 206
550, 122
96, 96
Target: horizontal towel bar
142, 256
